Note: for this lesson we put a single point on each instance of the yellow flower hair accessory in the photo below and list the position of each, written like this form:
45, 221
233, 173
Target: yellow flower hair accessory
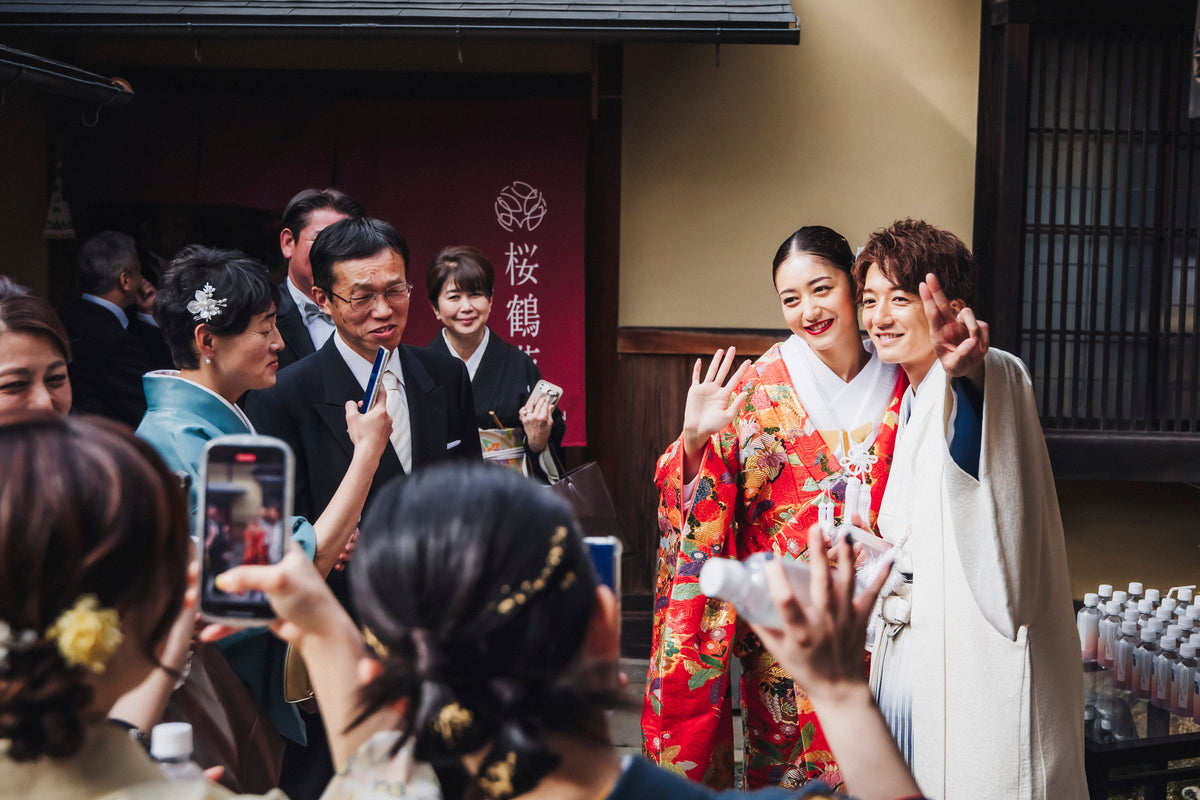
87, 635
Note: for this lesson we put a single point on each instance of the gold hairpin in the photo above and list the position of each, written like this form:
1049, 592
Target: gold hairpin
373, 642
497, 779
506, 605
452, 721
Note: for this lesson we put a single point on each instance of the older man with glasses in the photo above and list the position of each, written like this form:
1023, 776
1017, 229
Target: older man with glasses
359, 268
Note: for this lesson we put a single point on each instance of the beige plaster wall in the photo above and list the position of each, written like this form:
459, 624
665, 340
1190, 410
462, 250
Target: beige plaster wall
872, 117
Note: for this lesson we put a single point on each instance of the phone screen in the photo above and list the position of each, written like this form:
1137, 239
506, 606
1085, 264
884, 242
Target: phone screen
374, 383
606, 558
245, 505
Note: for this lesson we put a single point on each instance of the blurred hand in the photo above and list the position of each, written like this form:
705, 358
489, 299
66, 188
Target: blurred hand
821, 643
537, 421
347, 552
304, 606
146, 295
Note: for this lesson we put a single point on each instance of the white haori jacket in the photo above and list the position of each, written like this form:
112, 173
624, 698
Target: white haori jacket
988, 667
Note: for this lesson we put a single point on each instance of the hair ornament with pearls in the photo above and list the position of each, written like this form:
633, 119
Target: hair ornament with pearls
205, 306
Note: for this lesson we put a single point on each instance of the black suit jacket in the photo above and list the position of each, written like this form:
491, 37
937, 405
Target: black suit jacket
297, 341
306, 408
107, 365
151, 337
502, 384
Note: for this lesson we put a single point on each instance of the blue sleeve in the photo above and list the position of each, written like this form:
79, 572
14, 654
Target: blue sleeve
968, 427
305, 535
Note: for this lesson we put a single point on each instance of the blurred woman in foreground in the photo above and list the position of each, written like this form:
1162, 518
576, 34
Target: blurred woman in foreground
94, 549
492, 651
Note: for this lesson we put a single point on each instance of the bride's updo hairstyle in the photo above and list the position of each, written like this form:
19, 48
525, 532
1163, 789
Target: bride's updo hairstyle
232, 286
93, 532
819, 241
475, 590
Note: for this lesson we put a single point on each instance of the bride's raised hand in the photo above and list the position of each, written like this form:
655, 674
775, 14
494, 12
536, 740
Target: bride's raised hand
710, 406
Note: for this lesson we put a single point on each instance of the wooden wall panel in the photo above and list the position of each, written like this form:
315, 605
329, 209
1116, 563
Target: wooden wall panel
655, 370
653, 389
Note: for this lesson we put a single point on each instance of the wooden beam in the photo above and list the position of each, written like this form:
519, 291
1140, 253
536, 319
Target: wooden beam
695, 341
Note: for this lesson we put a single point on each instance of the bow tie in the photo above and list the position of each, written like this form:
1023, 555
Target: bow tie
311, 311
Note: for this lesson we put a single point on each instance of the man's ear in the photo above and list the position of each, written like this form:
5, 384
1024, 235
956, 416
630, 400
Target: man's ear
287, 243
323, 301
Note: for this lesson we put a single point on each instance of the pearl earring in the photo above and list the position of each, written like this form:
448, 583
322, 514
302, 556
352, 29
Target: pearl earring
208, 359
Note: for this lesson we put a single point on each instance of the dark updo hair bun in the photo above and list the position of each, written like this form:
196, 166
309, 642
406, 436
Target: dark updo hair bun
40, 703
817, 240
85, 508
478, 590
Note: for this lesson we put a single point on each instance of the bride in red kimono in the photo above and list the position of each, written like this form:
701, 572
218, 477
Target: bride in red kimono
807, 437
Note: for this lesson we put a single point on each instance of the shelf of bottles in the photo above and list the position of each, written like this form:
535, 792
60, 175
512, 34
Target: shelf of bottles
1139, 651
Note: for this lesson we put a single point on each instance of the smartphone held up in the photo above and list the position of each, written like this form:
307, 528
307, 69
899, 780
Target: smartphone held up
244, 508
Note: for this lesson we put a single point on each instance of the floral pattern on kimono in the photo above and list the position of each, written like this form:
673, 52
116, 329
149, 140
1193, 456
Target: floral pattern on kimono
760, 484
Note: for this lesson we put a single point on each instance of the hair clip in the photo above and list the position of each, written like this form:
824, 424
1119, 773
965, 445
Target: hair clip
452, 722
527, 589
87, 635
11, 640
205, 306
497, 779
373, 642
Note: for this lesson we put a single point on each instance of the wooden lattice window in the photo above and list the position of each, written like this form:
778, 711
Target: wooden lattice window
1108, 294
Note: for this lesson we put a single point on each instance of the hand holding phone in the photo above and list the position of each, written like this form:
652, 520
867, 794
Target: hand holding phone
546, 389
244, 510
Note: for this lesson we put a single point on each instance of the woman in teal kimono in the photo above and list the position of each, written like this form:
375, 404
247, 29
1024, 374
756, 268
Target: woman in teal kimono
216, 309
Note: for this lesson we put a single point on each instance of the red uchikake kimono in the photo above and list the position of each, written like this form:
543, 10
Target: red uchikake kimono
758, 489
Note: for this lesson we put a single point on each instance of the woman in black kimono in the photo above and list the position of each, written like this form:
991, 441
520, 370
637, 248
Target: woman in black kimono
459, 281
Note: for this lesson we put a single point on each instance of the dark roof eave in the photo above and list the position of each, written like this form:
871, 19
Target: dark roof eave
681, 32
18, 68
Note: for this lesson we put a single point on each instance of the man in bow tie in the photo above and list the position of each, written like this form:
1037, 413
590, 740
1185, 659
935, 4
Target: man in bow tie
301, 322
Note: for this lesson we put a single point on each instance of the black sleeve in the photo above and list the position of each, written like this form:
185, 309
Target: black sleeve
271, 417
462, 416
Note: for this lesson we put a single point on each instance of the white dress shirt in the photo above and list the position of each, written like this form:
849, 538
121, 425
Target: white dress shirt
398, 410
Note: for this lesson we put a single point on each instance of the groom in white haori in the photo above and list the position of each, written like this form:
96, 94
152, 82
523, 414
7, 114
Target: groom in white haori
977, 664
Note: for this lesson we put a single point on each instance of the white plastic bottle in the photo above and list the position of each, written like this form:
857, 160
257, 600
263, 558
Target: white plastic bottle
1088, 622
744, 583
1121, 597
171, 747
1185, 596
1143, 664
1108, 631
1145, 611
1154, 596
1184, 681
1126, 643
1105, 593
1135, 592
1164, 672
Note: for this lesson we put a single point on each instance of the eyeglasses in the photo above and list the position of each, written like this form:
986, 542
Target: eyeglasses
394, 295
